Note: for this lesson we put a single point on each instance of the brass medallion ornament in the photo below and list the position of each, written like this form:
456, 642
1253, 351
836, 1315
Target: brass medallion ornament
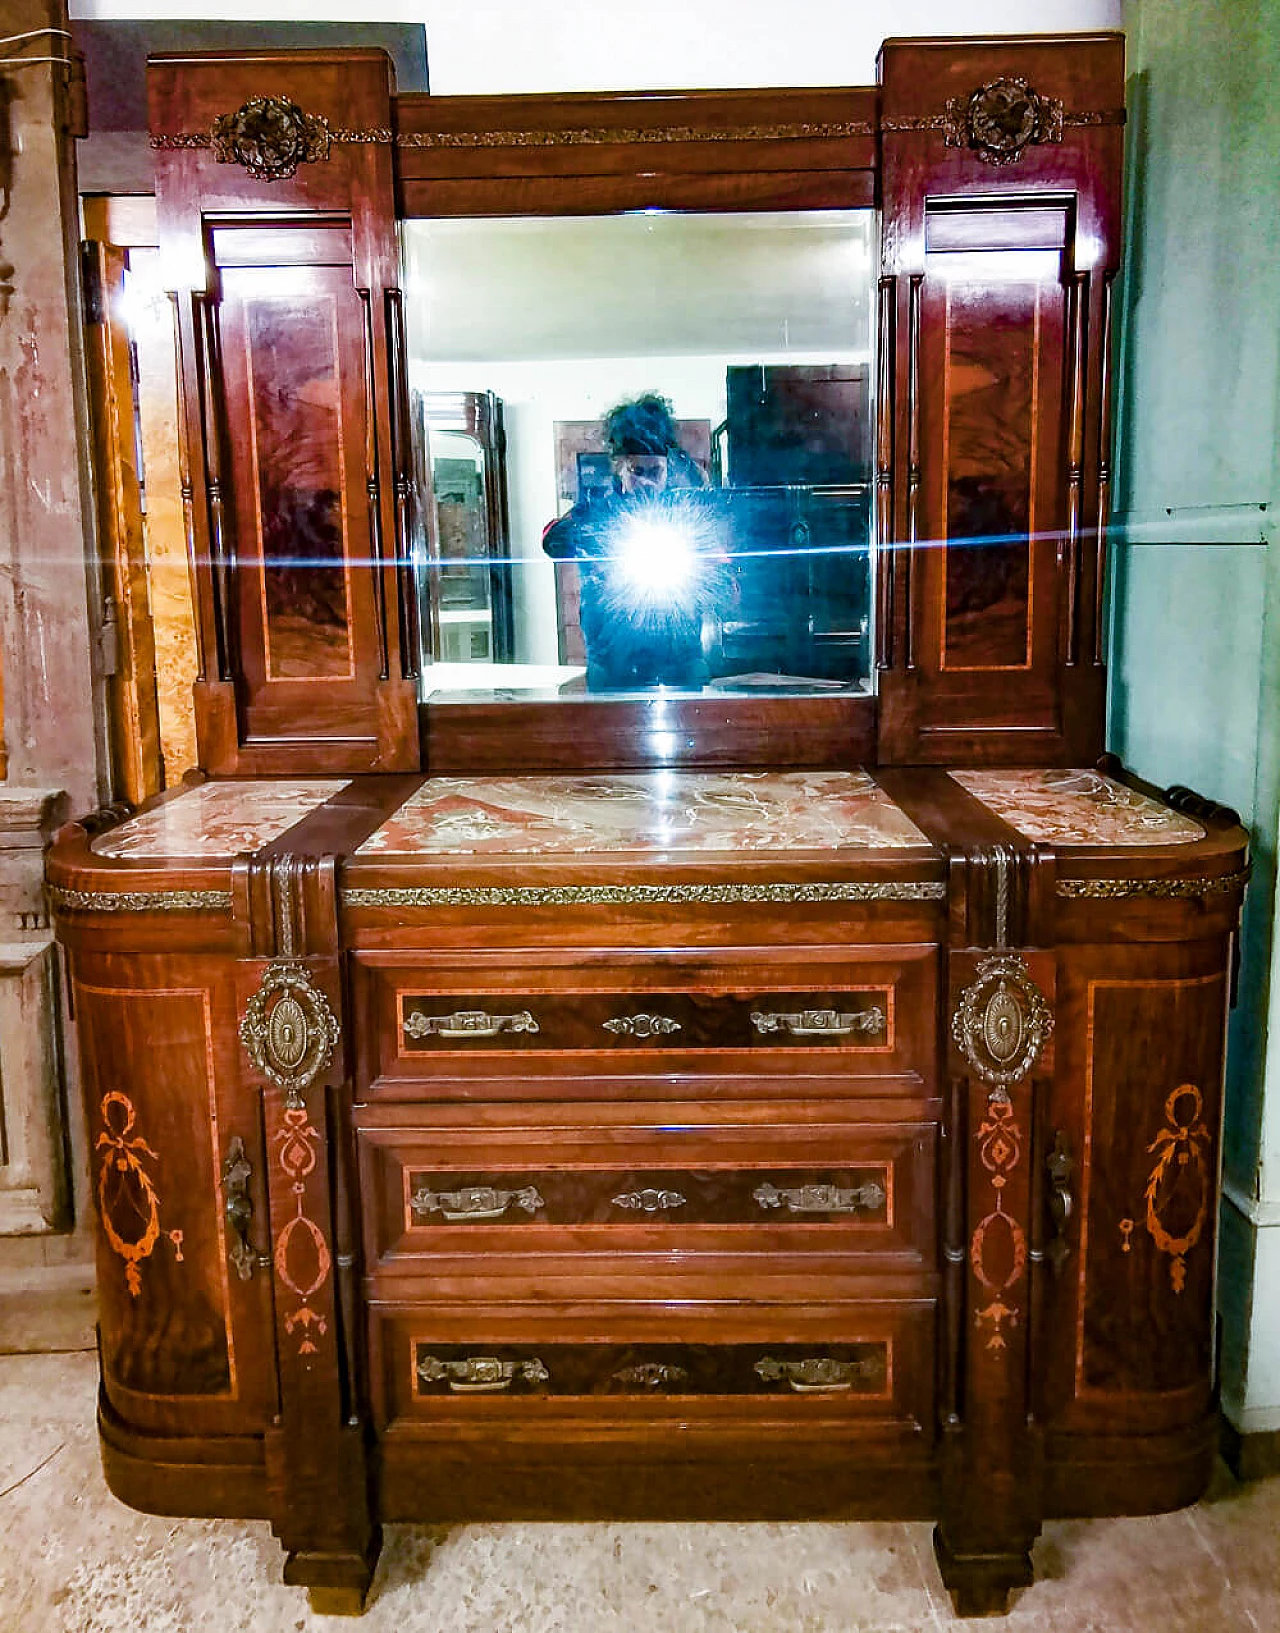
1001, 1022
289, 1030
270, 136
999, 121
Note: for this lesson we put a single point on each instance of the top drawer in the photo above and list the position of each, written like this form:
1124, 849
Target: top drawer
827, 1012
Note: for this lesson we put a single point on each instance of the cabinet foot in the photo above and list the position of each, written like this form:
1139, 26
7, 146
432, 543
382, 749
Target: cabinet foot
980, 1584
336, 1584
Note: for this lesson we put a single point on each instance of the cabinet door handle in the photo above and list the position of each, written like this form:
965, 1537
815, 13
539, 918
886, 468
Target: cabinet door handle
816, 1373
467, 1023
238, 1211
641, 1026
481, 1374
475, 1202
821, 1023
822, 1198
1060, 1165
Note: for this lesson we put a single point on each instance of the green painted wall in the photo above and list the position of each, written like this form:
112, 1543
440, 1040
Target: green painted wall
1196, 583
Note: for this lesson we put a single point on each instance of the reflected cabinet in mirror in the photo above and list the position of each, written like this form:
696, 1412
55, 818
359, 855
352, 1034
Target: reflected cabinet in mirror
664, 482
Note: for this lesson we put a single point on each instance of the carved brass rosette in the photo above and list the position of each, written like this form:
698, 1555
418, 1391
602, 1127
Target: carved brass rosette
289, 1030
1000, 120
270, 136
1001, 1022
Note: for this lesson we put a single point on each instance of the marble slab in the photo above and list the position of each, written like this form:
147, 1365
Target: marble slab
216, 819
1077, 808
648, 812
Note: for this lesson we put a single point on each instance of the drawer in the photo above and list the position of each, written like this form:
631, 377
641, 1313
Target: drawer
823, 1012
794, 1364
647, 1178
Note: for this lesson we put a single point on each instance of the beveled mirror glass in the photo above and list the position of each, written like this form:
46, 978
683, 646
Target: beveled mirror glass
685, 454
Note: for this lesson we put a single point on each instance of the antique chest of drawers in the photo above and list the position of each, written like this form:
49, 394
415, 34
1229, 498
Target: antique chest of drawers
655, 1145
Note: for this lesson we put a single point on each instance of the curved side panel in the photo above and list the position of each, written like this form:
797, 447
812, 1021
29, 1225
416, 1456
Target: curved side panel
185, 1342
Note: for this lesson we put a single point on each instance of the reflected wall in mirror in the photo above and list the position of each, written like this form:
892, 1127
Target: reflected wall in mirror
684, 456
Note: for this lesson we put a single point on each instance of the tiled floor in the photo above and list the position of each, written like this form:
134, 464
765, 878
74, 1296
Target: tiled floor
73, 1560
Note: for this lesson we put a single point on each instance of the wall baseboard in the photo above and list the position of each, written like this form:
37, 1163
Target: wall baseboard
1250, 1456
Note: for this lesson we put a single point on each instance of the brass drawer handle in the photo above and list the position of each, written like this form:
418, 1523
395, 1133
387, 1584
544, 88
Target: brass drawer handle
475, 1202
467, 1023
641, 1026
816, 1373
481, 1374
650, 1375
649, 1201
822, 1198
822, 1023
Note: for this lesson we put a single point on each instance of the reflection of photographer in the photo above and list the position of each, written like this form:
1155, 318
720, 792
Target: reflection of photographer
645, 547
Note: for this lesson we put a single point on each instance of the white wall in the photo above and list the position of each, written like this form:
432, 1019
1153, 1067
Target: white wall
479, 46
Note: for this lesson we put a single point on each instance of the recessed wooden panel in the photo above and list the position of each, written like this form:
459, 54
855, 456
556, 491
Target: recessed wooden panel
295, 421
1152, 1095
992, 485
162, 1272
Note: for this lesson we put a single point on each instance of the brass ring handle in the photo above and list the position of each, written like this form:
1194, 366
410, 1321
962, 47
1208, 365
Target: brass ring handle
238, 1211
475, 1202
467, 1023
821, 1023
481, 1374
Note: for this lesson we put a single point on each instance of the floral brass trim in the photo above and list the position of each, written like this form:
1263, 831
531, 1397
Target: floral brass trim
289, 1030
1183, 1143
641, 1026
1000, 1151
637, 895
999, 121
650, 1375
139, 901
1001, 1022
1114, 890
298, 1142
607, 135
122, 1162
271, 136
649, 1200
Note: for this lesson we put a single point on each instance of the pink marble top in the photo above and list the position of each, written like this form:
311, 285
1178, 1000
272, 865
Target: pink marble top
216, 819
645, 811
1078, 808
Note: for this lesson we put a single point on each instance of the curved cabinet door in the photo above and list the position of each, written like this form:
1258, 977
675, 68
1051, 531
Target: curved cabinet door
185, 1339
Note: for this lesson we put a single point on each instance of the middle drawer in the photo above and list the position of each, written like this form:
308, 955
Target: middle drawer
634, 1177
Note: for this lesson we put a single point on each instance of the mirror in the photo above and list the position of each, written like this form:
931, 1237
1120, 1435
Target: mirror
645, 445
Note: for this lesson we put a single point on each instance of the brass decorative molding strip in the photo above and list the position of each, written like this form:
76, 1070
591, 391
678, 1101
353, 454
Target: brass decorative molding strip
140, 901
1113, 890
943, 121
271, 136
639, 895
607, 135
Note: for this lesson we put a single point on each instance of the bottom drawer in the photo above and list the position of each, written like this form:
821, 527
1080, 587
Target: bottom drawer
725, 1366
